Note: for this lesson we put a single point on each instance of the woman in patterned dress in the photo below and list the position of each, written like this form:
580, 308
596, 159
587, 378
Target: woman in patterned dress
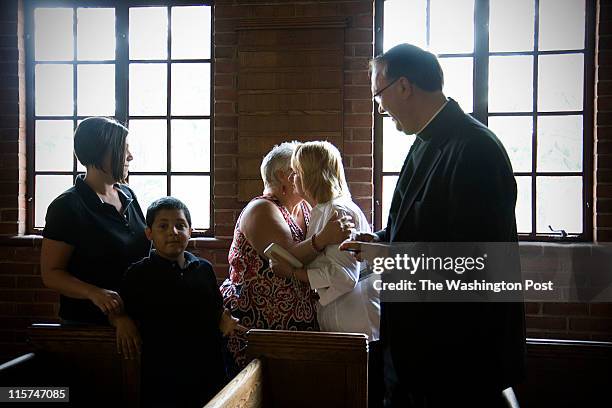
253, 293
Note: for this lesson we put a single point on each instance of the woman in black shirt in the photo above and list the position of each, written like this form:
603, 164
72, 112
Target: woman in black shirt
95, 229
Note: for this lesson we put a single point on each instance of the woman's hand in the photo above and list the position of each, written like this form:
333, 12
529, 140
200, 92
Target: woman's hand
337, 229
108, 301
229, 324
128, 336
281, 267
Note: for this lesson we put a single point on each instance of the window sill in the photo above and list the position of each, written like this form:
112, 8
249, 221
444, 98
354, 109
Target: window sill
36, 240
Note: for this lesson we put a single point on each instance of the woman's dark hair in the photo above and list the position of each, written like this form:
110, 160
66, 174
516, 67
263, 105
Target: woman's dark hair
166, 203
95, 137
413, 63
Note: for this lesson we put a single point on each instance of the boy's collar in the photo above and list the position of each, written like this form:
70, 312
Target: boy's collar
189, 259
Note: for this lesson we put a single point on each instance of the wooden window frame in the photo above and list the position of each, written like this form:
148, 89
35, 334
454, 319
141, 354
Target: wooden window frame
121, 63
480, 91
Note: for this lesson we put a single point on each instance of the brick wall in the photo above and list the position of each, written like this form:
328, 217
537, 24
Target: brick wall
22, 297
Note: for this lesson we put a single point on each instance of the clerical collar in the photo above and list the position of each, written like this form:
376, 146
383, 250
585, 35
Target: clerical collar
432, 118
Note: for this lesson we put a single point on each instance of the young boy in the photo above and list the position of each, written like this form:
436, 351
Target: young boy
174, 299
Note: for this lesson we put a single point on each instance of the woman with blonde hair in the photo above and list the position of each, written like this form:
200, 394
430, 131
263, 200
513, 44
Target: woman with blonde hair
347, 301
259, 297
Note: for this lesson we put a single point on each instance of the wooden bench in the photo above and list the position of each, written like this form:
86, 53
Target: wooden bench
85, 358
300, 369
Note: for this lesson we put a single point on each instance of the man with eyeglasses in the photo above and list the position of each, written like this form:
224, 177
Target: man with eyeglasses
456, 185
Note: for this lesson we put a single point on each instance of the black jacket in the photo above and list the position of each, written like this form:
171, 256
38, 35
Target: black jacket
463, 190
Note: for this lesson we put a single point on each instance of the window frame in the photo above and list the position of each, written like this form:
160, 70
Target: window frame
121, 62
480, 112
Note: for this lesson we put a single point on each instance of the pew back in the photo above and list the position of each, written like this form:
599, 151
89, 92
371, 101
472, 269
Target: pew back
311, 369
85, 358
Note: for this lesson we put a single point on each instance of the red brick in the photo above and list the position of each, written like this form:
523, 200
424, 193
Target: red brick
361, 162
532, 308
46, 296
357, 92
316, 10
225, 217
9, 228
225, 175
565, 309
361, 134
356, 8
360, 189
233, 11
225, 108
224, 79
224, 94
352, 63
351, 148
29, 282
225, 190
228, 204
591, 324
358, 120
226, 122
225, 52
17, 295
225, 135
546, 323
35, 310
363, 21
359, 175
358, 106
358, 36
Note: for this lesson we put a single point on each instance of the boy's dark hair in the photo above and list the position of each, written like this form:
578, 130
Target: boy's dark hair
166, 203
420, 67
96, 136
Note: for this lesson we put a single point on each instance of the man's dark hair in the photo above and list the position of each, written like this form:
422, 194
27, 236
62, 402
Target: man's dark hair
415, 64
166, 203
95, 137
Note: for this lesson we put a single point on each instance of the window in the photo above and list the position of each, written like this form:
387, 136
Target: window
525, 69
149, 66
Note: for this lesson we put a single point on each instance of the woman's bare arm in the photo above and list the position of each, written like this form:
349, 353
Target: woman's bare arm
262, 223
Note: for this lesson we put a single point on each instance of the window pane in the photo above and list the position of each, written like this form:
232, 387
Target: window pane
389, 183
148, 89
515, 132
396, 145
511, 25
405, 22
54, 146
562, 24
452, 26
560, 143
148, 189
560, 82
458, 81
559, 204
96, 90
190, 89
190, 145
47, 189
523, 204
149, 33
96, 34
511, 84
194, 191
53, 34
54, 89
191, 32
148, 144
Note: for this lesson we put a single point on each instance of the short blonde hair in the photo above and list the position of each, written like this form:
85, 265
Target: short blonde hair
279, 158
319, 165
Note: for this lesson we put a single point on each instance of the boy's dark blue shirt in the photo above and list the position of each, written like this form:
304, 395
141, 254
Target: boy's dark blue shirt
177, 311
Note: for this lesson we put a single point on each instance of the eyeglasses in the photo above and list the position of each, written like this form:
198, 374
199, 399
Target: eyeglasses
377, 94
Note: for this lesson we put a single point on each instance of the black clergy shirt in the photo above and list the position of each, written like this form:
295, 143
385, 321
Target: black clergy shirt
105, 242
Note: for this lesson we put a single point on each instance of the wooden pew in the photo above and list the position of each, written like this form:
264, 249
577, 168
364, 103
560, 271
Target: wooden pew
85, 358
300, 369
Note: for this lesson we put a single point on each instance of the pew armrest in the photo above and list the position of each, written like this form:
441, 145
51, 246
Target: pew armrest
244, 391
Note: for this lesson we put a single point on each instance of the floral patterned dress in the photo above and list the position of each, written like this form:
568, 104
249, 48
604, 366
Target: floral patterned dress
258, 297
